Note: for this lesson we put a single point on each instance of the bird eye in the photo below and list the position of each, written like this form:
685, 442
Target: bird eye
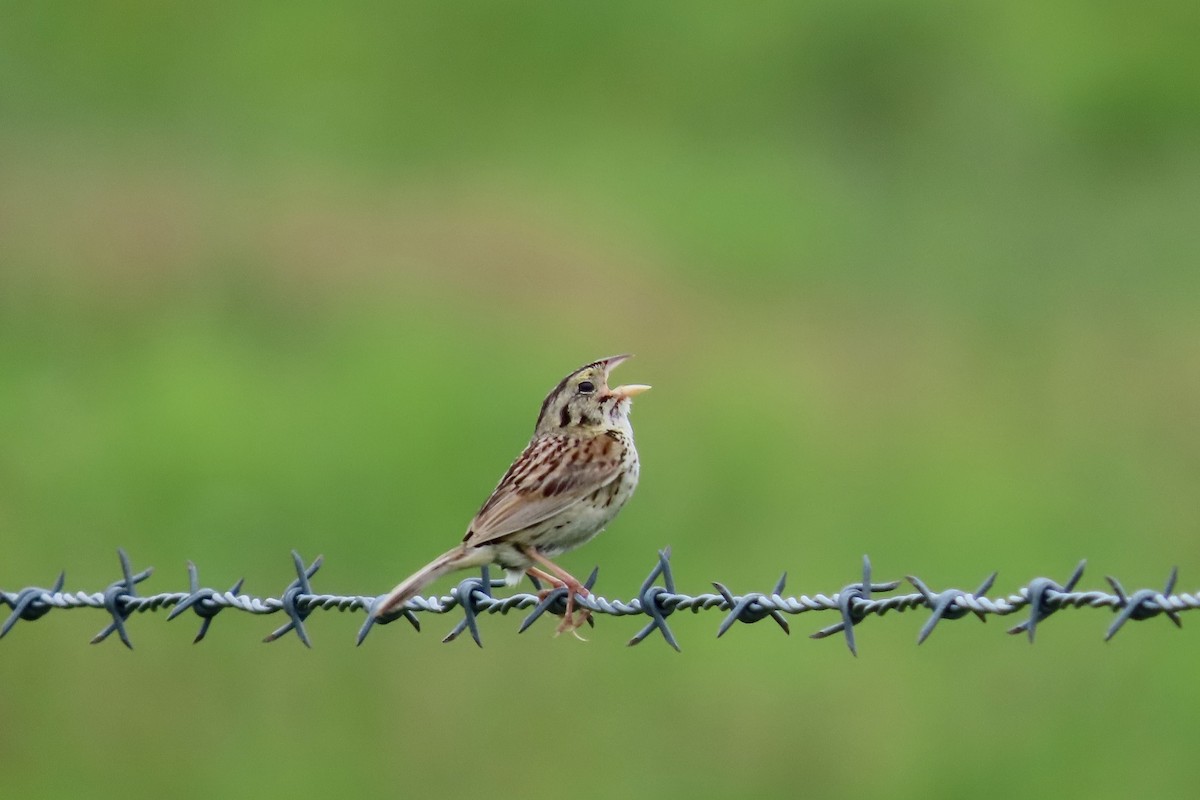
587, 387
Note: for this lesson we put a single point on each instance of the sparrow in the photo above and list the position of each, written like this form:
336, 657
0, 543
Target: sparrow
570, 481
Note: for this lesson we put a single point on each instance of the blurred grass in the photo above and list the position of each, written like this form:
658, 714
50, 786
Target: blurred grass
911, 279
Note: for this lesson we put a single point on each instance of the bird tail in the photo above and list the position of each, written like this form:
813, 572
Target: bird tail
460, 557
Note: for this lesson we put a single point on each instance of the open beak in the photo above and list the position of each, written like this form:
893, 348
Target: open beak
622, 391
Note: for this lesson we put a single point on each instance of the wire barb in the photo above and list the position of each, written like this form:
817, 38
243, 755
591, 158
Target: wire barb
114, 600
290, 601
649, 600
29, 605
945, 603
466, 592
748, 609
656, 600
854, 601
1143, 604
1045, 597
201, 601
372, 618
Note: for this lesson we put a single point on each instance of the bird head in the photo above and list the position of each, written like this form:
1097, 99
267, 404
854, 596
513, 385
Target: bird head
583, 399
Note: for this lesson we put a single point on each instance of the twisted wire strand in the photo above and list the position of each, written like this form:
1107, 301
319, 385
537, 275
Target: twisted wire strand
657, 599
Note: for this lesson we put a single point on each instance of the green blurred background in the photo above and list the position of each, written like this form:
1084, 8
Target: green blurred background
918, 280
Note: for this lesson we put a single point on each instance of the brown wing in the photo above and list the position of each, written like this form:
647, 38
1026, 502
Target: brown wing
551, 475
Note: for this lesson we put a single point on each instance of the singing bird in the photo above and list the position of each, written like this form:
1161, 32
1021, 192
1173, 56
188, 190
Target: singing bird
573, 477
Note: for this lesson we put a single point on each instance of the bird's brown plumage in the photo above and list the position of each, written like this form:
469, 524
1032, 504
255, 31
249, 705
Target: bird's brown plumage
552, 474
571, 479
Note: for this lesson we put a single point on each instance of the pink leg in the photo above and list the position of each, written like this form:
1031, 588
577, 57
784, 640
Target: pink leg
560, 577
554, 582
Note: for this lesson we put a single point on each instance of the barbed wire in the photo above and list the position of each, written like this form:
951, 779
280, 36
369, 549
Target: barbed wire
657, 599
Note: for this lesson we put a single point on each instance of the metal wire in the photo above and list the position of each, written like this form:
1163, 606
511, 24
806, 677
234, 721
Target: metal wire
657, 599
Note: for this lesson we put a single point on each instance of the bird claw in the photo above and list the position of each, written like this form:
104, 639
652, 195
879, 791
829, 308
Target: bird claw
571, 623
573, 618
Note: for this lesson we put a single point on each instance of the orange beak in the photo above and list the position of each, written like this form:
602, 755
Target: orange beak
631, 389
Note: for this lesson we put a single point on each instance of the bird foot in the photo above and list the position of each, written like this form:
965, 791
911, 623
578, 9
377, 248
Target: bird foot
571, 621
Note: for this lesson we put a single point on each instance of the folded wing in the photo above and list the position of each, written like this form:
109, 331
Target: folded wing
551, 475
